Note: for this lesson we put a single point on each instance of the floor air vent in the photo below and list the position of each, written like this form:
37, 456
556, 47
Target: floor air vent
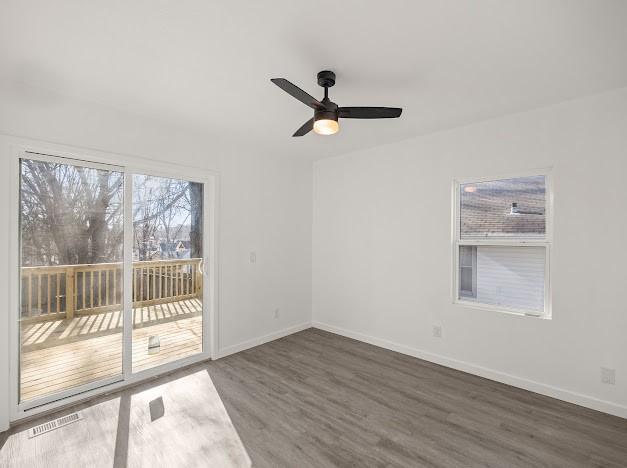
54, 424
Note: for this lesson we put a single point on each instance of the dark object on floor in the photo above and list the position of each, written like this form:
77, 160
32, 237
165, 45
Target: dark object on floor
157, 409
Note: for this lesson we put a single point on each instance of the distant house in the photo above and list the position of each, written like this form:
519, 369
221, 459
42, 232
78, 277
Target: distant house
502, 209
168, 249
183, 249
175, 249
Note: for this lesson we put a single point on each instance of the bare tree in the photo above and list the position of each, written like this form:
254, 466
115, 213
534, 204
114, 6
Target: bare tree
74, 215
162, 208
70, 214
196, 213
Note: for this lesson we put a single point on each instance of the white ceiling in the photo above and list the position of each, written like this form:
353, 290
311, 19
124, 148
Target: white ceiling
206, 64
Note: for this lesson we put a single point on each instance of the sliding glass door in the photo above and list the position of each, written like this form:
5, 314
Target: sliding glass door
72, 284
167, 270
91, 261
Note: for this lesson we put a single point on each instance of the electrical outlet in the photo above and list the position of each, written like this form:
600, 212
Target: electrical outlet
437, 331
253, 257
608, 376
276, 313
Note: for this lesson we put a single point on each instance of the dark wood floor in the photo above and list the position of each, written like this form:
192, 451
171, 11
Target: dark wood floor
314, 399
318, 399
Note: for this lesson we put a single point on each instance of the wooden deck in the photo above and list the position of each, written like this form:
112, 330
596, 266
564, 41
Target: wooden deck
61, 354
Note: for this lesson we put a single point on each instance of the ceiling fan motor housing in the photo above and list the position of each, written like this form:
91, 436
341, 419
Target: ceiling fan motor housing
326, 78
329, 112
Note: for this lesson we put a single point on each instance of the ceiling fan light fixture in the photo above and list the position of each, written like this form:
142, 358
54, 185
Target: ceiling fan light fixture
326, 127
325, 120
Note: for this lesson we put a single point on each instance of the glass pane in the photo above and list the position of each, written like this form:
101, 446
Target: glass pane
512, 277
465, 281
503, 208
466, 253
71, 244
167, 265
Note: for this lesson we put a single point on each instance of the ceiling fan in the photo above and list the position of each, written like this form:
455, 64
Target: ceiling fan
326, 112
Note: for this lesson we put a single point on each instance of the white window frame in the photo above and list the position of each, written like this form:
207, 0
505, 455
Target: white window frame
546, 242
128, 165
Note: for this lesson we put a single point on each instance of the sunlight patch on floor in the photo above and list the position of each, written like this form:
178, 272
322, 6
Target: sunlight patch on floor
181, 422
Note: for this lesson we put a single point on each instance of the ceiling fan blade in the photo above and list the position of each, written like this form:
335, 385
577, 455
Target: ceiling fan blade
305, 129
369, 112
298, 93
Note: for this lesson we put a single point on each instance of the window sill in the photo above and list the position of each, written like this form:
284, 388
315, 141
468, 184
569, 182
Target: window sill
500, 309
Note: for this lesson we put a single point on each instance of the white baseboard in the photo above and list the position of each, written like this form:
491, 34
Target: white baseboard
533, 386
262, 339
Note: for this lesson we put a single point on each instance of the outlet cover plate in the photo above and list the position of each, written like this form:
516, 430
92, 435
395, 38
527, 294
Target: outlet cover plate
608, 376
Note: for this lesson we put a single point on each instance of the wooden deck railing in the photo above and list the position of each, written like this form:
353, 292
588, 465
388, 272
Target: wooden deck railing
61, 291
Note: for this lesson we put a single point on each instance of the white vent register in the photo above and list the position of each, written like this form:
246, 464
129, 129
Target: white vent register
54, 424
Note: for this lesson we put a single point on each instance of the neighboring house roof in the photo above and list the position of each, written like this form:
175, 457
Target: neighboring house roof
168, 246
175, 245
184, 244
503, 208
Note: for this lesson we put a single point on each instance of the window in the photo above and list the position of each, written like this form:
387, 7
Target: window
502, 243
468, 271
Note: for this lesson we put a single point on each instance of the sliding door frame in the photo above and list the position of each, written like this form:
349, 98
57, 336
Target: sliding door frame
128, 165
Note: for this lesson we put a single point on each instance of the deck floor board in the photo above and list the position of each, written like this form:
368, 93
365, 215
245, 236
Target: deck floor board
61, 354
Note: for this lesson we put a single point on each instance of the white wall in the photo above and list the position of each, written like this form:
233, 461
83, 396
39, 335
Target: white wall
265, 207
382, 249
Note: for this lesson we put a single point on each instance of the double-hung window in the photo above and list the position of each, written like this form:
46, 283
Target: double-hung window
502, 241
